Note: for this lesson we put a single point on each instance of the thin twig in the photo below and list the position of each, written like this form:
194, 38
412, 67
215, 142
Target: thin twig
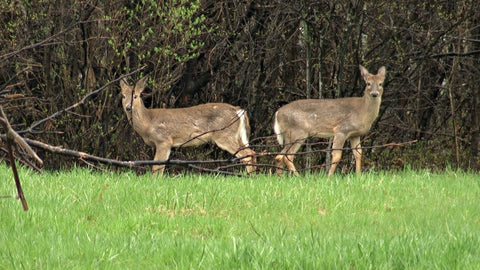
81, 102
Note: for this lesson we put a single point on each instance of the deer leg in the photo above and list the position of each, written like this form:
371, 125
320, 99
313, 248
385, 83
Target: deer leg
246, 154
289, 156
162, 153
338, 142
279, 164
357, 152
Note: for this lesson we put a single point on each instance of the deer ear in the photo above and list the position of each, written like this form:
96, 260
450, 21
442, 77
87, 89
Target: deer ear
382, 71
363, 71
140, 86
123, 83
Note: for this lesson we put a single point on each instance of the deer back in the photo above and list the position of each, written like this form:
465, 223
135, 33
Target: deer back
190, 126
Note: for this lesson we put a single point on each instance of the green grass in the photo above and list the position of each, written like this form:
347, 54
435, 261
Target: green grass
383, 220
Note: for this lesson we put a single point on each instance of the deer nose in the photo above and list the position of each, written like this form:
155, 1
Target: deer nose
374, 94
128, 107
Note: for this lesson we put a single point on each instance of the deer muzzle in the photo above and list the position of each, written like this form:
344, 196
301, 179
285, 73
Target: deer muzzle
374, 94
128, 108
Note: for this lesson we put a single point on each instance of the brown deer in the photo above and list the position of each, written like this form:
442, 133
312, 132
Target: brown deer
342, 118
225, 125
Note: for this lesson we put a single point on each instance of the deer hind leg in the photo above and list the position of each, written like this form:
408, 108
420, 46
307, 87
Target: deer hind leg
287, 156
248, 157
338, 142
237, 149
162, 152
357, 152
279, 164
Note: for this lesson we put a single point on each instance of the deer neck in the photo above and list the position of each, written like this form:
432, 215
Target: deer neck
129, 116
371, 107
140, 117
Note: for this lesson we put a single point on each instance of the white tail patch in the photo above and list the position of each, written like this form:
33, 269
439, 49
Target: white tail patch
242, 130
277, 130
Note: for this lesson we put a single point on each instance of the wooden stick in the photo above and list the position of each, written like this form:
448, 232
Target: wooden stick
21, 196
11, 138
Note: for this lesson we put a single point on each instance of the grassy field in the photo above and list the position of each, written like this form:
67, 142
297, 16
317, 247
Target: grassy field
88, 220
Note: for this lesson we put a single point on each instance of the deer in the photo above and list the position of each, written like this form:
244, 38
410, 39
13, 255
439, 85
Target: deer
342, 118
223, 124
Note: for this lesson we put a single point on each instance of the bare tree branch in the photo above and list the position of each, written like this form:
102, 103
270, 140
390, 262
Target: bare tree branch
11, 138
81, 102
14, 137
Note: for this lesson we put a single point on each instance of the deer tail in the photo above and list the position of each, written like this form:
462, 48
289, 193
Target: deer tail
243, 127
278, 131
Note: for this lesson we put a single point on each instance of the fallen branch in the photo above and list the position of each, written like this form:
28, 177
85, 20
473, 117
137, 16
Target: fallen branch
195, 164
108, 161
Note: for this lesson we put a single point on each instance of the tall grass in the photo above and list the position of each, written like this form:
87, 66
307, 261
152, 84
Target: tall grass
82, 219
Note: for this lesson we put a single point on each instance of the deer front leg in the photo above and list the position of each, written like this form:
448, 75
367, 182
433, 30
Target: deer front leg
357, 152
338, 142
162, 152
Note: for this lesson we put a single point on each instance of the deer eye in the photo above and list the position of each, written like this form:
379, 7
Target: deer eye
380, 84
369, 84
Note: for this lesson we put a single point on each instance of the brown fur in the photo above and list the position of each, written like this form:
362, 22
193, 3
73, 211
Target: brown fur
342, 118
163, 129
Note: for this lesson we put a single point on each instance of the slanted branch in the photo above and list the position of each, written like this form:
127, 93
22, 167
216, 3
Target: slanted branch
32, 128
12, 138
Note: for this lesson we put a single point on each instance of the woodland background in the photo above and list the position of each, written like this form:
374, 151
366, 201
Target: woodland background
259, 55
